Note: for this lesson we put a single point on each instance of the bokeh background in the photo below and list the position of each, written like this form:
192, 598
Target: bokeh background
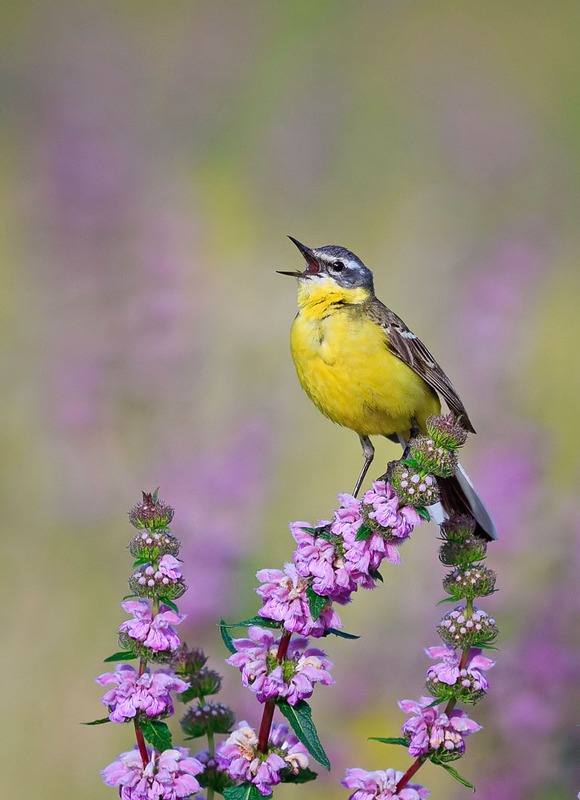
154, 156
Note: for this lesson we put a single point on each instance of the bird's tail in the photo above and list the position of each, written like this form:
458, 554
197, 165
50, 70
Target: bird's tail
458, 496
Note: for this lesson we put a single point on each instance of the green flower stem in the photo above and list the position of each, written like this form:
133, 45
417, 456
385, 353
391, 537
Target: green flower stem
420, 760
270, 705
211, 750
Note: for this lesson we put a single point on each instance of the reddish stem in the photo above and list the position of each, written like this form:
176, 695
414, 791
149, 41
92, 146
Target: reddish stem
270, 705
448, 709
416, 765
141, 744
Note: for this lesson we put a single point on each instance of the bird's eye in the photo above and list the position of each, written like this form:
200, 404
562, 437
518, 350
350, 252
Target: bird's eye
338, 266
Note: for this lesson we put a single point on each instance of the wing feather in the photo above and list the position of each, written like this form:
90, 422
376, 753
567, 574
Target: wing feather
404, 344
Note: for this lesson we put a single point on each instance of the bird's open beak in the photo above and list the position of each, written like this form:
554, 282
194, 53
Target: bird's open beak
312, 265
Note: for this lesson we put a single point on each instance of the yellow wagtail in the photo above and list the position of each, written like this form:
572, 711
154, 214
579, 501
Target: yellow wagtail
364, 369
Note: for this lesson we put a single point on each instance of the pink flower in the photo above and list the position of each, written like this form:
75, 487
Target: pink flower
429, 729
322, 559
154, 632
447, 671
169, 566
381, 785
149, 693
293, 679
385, 510
286, 601
166, 777
239, 756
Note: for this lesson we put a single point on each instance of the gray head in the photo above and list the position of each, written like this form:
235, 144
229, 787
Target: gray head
335, 262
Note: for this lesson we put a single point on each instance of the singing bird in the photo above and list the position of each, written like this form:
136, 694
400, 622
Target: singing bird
363, 368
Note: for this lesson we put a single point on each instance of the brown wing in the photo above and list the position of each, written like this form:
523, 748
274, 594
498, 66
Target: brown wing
409, 348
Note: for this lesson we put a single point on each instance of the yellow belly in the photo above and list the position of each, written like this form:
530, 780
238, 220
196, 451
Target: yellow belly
345, 367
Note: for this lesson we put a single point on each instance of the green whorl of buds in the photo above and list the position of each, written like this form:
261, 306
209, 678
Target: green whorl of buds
461, 547
146, 582
467, 583
202, 684
413, 486
209, 718
212, 776
466, 690
151, 512
432, 458
130, 645
465, 628
150, 545
446, 431
187, 661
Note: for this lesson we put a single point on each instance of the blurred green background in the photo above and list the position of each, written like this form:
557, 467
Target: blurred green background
154, 157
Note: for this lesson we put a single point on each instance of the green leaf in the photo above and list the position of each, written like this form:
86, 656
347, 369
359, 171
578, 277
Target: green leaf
410, 462
300, 718
316, 603
363, 533
485, 646
374, 573
97, 721
156, 733
257, 620
303, 776
448, 600
454, 774
422, 512
169, 603
245, 791
140, 562
339, 633
155, 495
125, 655
226, 636
311, 531
390, 740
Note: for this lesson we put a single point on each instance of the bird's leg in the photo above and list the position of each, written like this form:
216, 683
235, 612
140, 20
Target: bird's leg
369, 454
413, 433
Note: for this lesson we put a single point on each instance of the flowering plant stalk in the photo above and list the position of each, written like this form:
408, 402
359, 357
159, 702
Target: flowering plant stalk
155, 769
331, 561
277, 660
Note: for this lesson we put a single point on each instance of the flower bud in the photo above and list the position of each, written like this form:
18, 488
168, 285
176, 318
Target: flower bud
212, 776
467, 628
413, 486
433, 458
467, 583
202, 683
186, 662
155, 585
209, 718
150, 545
446, 431
150, 512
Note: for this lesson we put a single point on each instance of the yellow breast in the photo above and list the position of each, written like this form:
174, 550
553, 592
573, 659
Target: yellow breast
344, 365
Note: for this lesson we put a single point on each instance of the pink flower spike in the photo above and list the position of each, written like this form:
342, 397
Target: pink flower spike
429, 730
170, 776
381, 785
